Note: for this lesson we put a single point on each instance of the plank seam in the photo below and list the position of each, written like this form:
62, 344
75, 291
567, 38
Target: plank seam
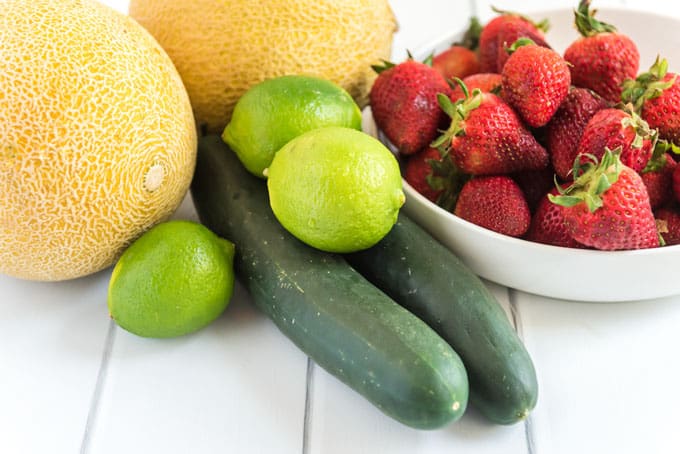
306, 430
517, 323
98, 388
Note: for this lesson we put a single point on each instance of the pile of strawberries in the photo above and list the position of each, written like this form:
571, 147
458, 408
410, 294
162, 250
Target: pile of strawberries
575, 150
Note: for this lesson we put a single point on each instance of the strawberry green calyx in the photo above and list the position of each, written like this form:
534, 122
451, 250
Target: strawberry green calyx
470, 38
383, 67
458, 111
543, 25
648, 85
388, 64
520, 43
658, 160
447, 178
641, 127
586, 24
591, 180
428, 60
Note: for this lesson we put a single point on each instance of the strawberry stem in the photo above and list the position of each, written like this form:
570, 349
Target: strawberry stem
383, 67
446, 177
471, 37
586, 24
591, 180
641, 127
648, 85
458, 111
388, 64
519, 43
658, 159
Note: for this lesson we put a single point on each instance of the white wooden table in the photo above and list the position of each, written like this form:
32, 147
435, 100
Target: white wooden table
71, 381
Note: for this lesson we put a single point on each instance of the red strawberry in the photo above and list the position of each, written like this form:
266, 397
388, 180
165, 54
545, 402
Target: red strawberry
510, 33
535, 82
535, 184
489, 42
404, 104
607, 206
486, 137
676, 183
548, 227
486, 82
496, 203
418, 170
602, 59
435, 177
456, 61
460, 60
658, 179
656, 96
668, 221
613, 128
563, 131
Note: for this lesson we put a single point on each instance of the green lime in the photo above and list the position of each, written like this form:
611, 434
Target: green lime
277, 110
336, 189
175, 279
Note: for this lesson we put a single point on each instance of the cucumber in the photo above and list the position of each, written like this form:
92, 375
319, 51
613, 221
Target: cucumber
429, 280
334, 315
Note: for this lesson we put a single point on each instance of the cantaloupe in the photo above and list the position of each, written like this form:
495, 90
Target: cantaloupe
223, 47
97, 137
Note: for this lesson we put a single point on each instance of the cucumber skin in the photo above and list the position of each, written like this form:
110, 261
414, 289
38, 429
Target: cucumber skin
334, 315
429, 280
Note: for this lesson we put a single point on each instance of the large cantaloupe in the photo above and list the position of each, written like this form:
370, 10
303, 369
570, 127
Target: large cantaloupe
223, 47
97, 136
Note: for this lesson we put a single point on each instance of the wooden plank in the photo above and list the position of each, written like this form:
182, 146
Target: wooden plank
236, 386
51, 342
607, 373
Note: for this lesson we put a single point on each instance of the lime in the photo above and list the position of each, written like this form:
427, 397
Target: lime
173, 280
277, 110
336, 189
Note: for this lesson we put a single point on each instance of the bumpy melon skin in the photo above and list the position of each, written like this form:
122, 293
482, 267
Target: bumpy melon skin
97, 137
223, 47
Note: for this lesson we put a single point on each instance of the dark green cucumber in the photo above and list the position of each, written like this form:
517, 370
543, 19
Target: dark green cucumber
333, 314
430, 281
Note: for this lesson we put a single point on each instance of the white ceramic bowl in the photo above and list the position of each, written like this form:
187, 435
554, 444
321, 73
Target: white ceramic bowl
557, 272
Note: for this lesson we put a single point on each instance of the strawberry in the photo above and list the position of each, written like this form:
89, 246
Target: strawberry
496, 203
563, 131
510, 33
658, 179
547, 225
404, 104
435, 177
487, 137
535, 81
456, 61
607, 206
486, 82
535, 184
418, 170
656, 97
613, 128
676, 182
490, 40
602, 58
668, 221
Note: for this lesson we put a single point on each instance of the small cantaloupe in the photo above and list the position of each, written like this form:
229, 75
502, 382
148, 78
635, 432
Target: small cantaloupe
223, 47
97, 136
